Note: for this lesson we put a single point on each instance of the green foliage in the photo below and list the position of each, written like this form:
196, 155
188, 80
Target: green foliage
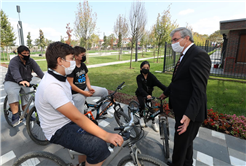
42, 42
105, 42
29, 41
215, 37
85, 22
7, 36
62, 40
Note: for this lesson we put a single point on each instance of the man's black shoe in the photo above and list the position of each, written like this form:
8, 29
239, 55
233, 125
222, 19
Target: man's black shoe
169, 163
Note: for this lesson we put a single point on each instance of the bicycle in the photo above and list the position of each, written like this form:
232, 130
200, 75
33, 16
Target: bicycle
7, 110
134, 158
149, 114
103, 105
32, 122
35, 131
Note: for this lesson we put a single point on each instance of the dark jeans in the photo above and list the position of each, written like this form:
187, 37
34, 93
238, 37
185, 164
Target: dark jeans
71, 136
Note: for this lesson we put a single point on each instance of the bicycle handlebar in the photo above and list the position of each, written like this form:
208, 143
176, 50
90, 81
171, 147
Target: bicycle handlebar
112, 94
31, 85
125, 130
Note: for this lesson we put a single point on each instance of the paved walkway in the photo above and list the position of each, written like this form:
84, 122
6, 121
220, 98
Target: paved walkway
210, 147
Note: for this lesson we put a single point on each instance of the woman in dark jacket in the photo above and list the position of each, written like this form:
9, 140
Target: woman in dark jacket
146, 82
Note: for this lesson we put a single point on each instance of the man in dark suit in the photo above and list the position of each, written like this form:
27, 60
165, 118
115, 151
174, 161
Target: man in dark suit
187, 94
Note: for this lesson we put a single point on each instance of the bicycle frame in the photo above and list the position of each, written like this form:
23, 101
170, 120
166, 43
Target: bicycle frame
110, 97
32, 98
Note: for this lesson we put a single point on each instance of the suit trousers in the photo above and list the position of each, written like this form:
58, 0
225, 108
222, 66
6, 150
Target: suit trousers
183, 144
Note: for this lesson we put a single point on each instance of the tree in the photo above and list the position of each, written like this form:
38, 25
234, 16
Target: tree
111, 40
41, 43
94, 40
62, 40
85, 22
215, 37
29, 40
163, 28
105, 42
121, 31
7, 35
138, 21
143, 41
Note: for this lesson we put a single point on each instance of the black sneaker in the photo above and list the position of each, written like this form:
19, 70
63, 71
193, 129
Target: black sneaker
32, 118
15, 119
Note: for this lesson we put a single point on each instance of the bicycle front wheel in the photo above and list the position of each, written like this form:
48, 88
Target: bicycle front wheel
134, 108
165, 137
39, 158
34, 129
144, 160
7, 111
122, 119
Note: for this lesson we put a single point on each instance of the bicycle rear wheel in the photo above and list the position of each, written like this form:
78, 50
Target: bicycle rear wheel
7, 111
144, 160
134, 107
164, 134
122, 119
34, 129
39, 158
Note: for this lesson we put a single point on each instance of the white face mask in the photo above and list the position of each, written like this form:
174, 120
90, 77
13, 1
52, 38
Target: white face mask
177, 48
69, 70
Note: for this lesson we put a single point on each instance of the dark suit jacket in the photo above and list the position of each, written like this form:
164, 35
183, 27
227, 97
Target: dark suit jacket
187, 91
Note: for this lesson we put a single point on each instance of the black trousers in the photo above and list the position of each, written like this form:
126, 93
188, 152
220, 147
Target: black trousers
183, 144
141, 101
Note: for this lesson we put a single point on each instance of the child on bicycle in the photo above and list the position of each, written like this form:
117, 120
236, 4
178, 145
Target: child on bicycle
146, 82
80, 82
61, 121
20, 73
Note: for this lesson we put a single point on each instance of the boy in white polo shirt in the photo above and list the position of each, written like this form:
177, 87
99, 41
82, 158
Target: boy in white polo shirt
61, 121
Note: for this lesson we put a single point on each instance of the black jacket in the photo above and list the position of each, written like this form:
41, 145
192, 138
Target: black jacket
146, 87
187, 91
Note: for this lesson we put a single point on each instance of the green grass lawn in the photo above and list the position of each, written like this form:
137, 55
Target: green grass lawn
223, 96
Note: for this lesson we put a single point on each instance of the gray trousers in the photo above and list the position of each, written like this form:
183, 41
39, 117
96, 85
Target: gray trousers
79, 99
13, 89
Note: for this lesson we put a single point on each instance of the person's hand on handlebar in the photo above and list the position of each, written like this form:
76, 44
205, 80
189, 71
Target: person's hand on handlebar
24, 83
149, 97
114, 139
162, 96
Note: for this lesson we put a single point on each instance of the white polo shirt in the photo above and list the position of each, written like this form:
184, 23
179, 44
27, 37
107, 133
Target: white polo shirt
52, 94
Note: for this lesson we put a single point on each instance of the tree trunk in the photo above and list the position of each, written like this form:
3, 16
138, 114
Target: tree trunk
142, 51
87, 56
158, 52
131, 59
154, 55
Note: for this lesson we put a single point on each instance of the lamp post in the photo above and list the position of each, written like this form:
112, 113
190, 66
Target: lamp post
20, 29
136, 53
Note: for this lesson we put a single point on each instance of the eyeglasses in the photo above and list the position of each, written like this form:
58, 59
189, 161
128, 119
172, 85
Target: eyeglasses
175, 39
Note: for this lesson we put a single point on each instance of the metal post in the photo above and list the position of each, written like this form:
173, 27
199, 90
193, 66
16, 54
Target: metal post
20, 27
136, 53
165, 55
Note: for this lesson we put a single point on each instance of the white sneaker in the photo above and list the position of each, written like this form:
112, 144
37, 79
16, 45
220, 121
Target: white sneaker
155, 127
108, 115
142, 124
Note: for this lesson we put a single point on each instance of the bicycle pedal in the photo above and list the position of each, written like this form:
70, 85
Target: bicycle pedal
102, 118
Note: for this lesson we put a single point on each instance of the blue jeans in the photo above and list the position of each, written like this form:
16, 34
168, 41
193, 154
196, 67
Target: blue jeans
71, 136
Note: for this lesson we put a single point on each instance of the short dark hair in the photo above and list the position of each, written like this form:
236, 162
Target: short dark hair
143, 63
78, 50
22, 48
56, 50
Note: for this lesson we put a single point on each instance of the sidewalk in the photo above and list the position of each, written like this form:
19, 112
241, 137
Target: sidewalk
210, 147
